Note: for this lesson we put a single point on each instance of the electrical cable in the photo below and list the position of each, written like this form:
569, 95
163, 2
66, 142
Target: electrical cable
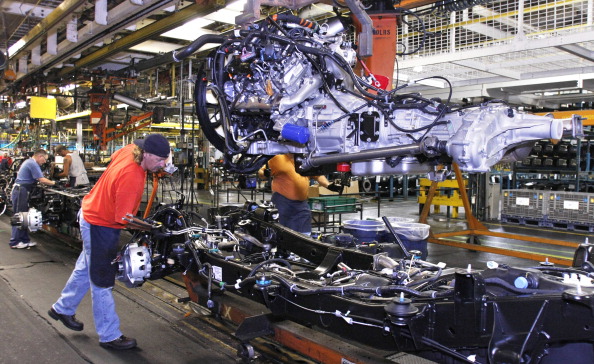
267, 262
423, 31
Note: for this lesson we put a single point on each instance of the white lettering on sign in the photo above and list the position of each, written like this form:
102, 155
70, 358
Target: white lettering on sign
522, 201
571, 205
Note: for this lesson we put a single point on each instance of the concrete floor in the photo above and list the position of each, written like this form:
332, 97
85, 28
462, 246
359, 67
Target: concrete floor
31, 280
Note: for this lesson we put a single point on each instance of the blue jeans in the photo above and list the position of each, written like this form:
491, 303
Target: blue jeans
107, 322
295, 215
20, 203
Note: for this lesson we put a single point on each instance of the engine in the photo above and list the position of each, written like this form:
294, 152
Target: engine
281, 87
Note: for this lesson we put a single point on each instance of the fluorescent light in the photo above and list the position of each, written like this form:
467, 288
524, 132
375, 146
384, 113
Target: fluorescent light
431, 82
228, 13
73, 116
237, 5
223, 16
171, 125
190, 30
68, 87
16, 47
153, 46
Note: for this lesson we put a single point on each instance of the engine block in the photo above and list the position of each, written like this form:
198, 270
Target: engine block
278, 88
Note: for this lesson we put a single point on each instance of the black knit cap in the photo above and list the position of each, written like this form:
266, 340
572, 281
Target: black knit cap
155, 144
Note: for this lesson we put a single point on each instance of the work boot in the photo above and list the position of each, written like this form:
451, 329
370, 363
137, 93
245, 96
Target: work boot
121, 343
69, 321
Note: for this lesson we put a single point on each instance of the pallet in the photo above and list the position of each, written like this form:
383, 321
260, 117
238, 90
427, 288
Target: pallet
570, 226
548, 223
522, 220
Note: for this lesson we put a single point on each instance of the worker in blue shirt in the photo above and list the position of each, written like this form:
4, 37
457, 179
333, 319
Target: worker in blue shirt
27, 177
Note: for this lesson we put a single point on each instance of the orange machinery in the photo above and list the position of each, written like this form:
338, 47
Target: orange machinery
100, 107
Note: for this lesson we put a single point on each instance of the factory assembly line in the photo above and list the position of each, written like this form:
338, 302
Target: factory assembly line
288, 85
391, 301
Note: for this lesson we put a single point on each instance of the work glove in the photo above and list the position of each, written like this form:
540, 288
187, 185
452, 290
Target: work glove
335, 187
267, 173
58, 186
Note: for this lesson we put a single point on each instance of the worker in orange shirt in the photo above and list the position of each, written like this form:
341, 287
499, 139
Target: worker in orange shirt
118, 192
289, 192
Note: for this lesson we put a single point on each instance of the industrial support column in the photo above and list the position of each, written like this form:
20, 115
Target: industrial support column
79, 137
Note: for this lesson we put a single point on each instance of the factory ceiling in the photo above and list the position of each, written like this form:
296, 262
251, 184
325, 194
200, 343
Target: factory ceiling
536, 53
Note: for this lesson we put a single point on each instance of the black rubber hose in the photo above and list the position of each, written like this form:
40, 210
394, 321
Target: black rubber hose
269, 261
427, 281
510, 287
295, 20
196, 45
225, 285
190, 246
210, 278
176, 56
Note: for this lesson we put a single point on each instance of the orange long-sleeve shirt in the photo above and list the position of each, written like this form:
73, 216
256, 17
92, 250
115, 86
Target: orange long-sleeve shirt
118, 191
286, 180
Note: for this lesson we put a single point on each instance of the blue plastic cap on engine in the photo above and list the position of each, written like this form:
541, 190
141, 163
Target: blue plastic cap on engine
521, 283
299, 134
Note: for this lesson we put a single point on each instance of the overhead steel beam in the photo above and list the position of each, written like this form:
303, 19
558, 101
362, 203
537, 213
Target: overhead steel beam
491, 68
51, 21
578, 51
152, 30
121, 16
23, 9
164, 25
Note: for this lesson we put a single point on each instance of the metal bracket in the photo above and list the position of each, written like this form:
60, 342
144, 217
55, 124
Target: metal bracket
253, 327
332, 258
365, 46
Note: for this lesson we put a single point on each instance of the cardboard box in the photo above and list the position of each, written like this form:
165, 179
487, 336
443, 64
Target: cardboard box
317, 190
314, 191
